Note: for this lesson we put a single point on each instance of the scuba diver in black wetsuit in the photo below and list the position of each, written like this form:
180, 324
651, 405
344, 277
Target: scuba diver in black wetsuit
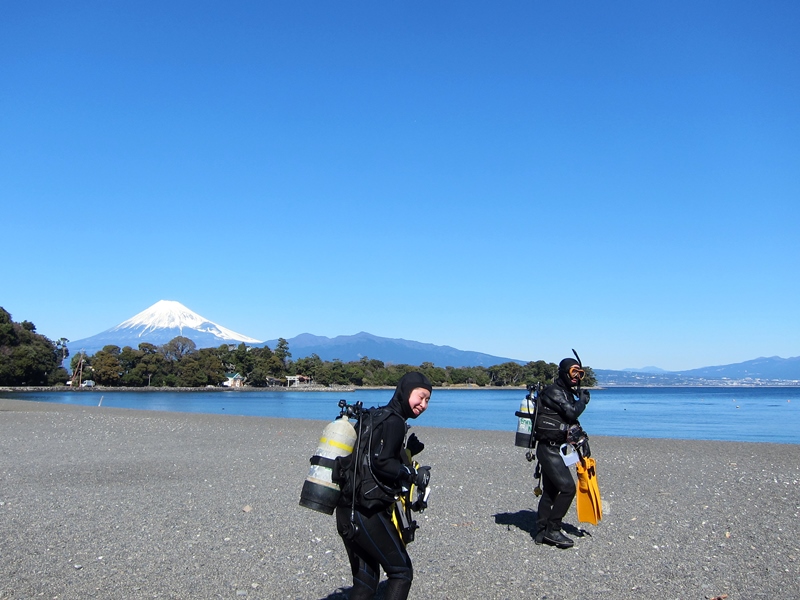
370, 537
560, 405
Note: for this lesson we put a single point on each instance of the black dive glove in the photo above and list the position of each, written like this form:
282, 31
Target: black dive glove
585, 450
422, 477
584, 396
413, 445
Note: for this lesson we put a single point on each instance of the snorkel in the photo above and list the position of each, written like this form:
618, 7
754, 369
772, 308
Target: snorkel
580, 364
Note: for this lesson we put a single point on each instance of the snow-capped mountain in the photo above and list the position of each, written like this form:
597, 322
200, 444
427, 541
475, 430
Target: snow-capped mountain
159, 324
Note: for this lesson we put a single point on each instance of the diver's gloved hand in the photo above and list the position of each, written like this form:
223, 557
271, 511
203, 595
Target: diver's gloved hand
419, 505
575, 434
585, 450
413, 445
585, 396
422, 477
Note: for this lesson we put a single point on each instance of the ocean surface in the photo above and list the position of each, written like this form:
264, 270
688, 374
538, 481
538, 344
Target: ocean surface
757, 414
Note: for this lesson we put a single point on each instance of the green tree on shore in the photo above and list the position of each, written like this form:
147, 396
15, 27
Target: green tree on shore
282, 353
106, 367
26, 357
180, 363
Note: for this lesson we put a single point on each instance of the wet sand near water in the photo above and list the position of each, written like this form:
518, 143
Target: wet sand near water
113, 503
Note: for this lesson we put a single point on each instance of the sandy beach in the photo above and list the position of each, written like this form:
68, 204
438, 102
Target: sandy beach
112, 503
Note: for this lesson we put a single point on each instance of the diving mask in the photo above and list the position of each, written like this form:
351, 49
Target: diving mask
576, 372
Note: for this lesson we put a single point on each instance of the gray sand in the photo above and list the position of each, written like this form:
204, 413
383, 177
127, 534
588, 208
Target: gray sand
112, 503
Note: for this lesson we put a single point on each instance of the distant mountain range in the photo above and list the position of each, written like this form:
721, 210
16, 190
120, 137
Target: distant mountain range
167, 319
349, 348
759, 370
773, 367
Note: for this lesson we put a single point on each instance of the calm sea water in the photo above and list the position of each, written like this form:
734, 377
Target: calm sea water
737, 414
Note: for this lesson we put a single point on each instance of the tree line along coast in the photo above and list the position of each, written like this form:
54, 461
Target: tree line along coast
28, 358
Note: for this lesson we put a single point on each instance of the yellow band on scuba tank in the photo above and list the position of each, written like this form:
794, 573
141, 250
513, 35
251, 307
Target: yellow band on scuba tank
335, 444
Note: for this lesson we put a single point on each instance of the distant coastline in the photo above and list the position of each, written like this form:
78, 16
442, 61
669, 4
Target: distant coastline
344, 389
155, 389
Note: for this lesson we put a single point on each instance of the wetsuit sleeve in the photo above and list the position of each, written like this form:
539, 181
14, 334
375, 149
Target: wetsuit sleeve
388, 453
563, 404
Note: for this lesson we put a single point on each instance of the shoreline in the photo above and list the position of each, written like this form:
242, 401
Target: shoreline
105, 502
343, 389
627, 413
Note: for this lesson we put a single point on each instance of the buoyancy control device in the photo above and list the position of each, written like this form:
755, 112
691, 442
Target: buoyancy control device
354, 473
319, 491
361, 488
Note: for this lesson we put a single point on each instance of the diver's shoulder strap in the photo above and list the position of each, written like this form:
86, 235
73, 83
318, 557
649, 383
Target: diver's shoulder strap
373, 417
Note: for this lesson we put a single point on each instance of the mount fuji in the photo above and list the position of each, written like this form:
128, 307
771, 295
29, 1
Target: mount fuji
166, 320
159, 324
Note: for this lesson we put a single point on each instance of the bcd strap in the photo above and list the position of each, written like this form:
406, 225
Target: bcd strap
525, 415
322, 461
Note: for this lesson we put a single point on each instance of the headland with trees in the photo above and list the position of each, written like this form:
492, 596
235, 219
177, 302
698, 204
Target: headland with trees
31, 359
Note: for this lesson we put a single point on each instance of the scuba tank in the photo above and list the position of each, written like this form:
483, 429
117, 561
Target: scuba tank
526, 430
526, 418
338, 438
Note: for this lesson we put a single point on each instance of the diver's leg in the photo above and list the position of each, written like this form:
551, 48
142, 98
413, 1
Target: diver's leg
559, 489
364, 568
566, 494
545, 507
394, 560
378, 542
549, 491
365, 578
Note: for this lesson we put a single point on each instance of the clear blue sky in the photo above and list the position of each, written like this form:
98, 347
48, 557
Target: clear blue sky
516, 178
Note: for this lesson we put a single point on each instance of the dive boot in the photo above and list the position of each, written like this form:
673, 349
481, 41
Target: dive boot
557, 539
539, 537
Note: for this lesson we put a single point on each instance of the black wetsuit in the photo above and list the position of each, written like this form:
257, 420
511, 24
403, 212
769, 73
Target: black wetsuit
377, 543
557, 404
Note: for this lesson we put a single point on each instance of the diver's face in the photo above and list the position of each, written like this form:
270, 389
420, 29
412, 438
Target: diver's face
576, 374
418, 400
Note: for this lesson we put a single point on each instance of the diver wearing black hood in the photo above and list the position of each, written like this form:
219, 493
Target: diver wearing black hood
377, 542
560, 405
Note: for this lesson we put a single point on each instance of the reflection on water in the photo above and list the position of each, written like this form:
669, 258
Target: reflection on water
738, 414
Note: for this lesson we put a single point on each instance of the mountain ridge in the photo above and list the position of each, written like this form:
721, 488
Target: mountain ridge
349, 348
773, 367
167, 319
758, 370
